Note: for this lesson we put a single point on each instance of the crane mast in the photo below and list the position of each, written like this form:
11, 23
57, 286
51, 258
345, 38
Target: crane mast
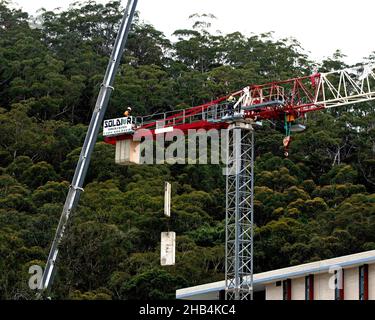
76, 187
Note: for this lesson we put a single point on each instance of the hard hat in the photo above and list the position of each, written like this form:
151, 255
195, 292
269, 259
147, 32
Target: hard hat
130, 109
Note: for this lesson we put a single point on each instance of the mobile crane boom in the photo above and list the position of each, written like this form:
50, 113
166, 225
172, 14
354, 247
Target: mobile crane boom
75, 188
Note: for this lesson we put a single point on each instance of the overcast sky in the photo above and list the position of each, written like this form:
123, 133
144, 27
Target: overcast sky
322, 26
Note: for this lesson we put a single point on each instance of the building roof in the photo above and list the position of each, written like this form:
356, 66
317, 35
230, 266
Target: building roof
260, 279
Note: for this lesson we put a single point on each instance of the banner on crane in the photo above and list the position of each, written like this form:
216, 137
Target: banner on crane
113, 127
167, 199
168, 248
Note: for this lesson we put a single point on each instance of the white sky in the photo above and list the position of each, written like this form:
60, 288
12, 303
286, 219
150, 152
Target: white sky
321, 26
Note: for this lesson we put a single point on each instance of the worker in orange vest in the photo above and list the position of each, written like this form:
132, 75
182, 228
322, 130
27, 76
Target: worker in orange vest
127, 112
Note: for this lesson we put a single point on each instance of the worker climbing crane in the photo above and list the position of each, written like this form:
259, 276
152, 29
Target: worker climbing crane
238, 113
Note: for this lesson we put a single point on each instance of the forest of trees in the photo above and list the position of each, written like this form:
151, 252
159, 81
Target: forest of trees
316, 204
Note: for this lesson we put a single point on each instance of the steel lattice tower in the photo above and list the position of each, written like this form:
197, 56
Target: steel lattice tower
239, 212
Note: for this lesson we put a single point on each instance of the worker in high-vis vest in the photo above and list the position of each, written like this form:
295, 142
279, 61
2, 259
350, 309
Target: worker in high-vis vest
231, 101
127, 112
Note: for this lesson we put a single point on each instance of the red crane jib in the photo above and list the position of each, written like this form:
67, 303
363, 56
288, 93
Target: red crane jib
271, 101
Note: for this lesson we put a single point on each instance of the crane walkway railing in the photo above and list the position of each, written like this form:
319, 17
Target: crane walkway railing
211, 112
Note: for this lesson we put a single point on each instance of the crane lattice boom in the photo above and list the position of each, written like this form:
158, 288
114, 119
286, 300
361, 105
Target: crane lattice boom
271, 101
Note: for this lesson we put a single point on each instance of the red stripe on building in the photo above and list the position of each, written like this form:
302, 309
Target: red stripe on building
365, 284
311, 287
342, 291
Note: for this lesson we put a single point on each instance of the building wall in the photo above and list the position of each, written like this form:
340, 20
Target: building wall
371, 282
351, 284
322, 290
322, 283
273, 292
298, 289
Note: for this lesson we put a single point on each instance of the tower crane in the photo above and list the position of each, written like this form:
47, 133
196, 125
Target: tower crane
285, 101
